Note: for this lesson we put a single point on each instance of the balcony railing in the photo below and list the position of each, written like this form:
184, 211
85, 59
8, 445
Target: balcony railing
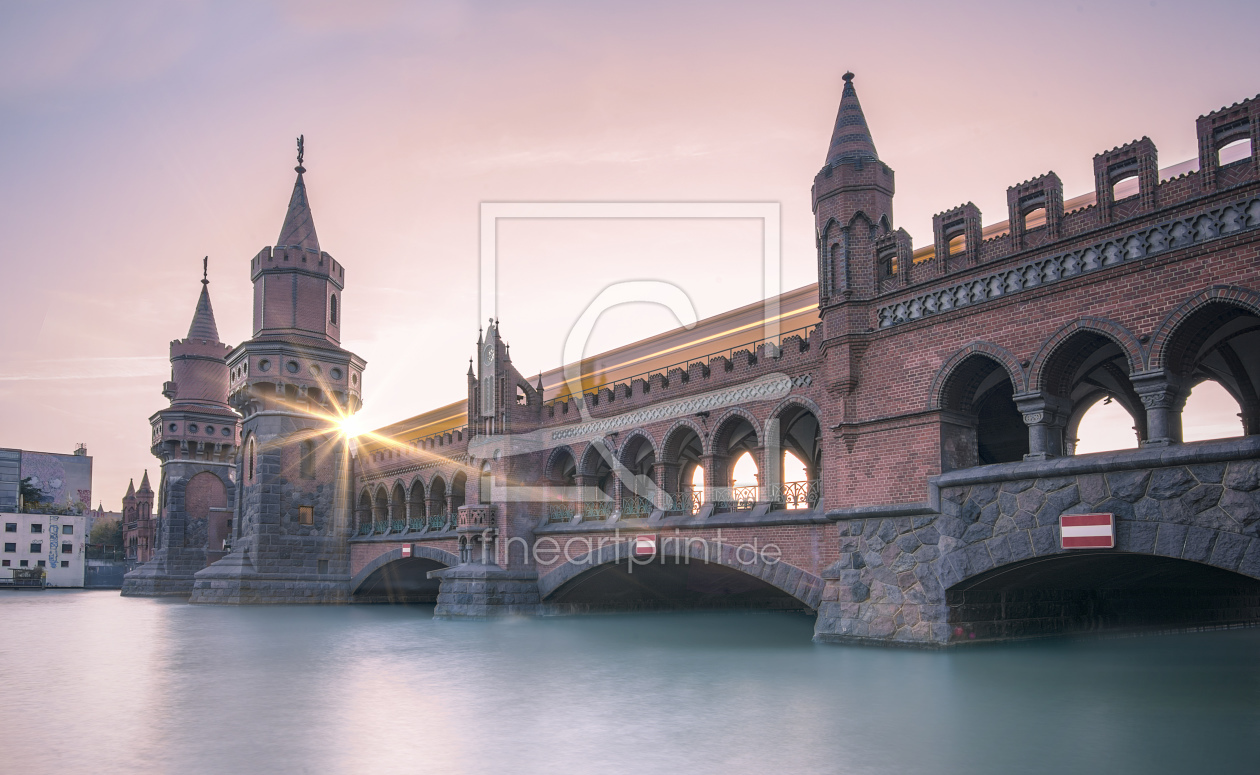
735, 498
636, 506
796, 495
687, 501
416, 524
365, 529
597, 510
397, 525
437, 521
380, 527
560, 512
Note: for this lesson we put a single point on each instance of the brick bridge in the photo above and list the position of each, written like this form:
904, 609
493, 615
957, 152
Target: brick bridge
891, 451
931, 399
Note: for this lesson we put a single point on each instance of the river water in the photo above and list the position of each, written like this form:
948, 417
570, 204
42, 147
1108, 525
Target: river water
94, 683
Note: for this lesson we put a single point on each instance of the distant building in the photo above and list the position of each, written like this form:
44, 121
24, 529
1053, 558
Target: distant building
138, 524
64, 481
55, 542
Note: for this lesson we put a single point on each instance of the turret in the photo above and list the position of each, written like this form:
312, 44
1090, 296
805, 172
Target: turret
852, 199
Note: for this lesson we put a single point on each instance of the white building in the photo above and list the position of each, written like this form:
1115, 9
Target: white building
56, 542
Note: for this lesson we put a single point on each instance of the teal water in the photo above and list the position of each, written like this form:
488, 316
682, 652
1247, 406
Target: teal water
95, 683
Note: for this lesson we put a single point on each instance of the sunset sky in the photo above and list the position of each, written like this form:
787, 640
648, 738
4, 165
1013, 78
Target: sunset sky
136, 138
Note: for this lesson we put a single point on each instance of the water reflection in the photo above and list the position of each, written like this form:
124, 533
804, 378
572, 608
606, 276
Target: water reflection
97, 683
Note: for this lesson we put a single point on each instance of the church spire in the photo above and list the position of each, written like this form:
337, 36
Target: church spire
299, 227
851, 139
203, 326
131, 489
144, 483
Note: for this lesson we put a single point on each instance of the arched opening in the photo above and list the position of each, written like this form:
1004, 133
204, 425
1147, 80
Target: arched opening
437, 504
459, 491
562, 501
397, 508
1220, 342
600, 483
675, 584
1108, 427
1091, 591
1085, 368
1236, 151
681, 451
980, 423
735, 441
1035, 219
1125, 188
957, 244
417, 517
380, 511
638, 456
363, 514
1210, 413
332, 309
205, 499
800, 439
401, 581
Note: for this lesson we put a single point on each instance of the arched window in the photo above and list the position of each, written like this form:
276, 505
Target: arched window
306, 461
1210, 413
249, 461
332, 309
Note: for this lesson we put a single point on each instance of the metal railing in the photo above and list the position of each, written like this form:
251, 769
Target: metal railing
686, 501
437, 521
397, 525
597, 511
416, 524
561, 512
796, 495
636, 506
735, 498
380, 527
365, 529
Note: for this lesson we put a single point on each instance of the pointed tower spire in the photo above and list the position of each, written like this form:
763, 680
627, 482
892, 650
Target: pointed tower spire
851, 139
203, 326
144, 482
299, 227
131, 489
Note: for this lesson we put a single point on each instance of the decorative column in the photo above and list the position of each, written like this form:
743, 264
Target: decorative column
1162, 396
1046, 416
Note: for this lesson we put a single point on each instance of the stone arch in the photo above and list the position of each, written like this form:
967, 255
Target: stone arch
1176, 322
632, 444
380, 504
725, 424
597, 452
363, 510
795, 426
397, 502
409, 575
556, 460
416, 498
803, 586
438, 499
458, 495
949, 369
980, 422
673, 438
1118, 334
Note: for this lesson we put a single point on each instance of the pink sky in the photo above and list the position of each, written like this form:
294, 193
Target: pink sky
136, 139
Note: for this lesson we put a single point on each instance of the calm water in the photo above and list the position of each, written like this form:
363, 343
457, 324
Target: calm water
92, 682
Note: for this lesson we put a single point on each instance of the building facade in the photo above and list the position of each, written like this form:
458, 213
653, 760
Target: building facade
138, 522
54, 542
911, 420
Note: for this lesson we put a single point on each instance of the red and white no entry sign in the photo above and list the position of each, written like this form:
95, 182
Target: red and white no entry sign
644, 545
1087, 531
406, 550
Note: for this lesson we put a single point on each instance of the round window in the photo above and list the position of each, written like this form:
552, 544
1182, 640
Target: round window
335, 373
226, 431
354, 379
174, 427
292, 366
264, 365
192, 427
209, 430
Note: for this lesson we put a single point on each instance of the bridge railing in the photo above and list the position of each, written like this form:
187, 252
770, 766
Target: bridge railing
416, 524
561, 511
636, 506
795, 495
437, 521
597, 510
735, 498
365, 529
397, 525
685, 501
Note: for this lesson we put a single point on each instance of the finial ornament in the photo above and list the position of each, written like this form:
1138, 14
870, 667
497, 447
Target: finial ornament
301, 142
205, 270
848, 77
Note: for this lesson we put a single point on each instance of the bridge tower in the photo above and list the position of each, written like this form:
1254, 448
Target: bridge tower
196, 440
293, 383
